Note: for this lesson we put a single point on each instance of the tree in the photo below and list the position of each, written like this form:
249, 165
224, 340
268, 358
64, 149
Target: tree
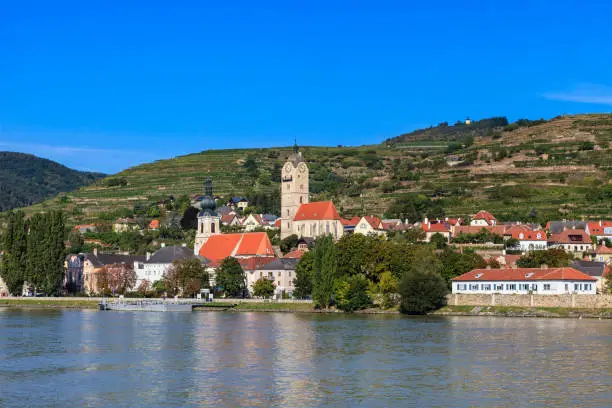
288, 243
438, 240
303, 276
421, 291
351, 293
552, 257
76, 241
14, 260
324, 272
231, 279
55, 234
190, 219
388, 288
116, 278
186, 277
421, 287
263, 287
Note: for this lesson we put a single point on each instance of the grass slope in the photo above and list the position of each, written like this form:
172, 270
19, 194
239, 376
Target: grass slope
557, 169
26, 179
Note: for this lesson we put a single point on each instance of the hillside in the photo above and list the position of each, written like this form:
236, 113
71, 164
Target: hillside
26, 179
560, 168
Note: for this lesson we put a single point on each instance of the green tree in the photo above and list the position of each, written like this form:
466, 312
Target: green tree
324, 272
55, 253
76, 241
303, 276
422, 288
552, 257
438, 240
37, 250
388, 288
14, 260
231, 279
263, 287
288, 243
351, 293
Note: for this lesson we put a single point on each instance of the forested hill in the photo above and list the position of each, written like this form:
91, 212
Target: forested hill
26, 179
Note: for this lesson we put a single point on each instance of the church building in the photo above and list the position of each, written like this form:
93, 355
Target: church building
208, 219
298, 215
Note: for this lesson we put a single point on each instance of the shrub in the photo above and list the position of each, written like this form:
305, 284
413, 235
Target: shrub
352, 293
421, 291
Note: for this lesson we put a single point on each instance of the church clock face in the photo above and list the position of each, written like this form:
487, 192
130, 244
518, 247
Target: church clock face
302, 168
288, 168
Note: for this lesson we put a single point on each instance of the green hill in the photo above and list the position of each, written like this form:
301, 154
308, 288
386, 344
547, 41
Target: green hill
560, 168
26, 179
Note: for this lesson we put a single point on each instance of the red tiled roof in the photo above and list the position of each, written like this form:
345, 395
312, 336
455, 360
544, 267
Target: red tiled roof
524, 233
484, 215
228, 218
524, 274
350, 223
221, 246
571, 236
320, 210
154, 224
79, 226
295, 254
373, 221
603, 250
435, 227
596, 229
277, 223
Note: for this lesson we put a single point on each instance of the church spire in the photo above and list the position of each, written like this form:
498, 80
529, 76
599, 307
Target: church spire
295, 146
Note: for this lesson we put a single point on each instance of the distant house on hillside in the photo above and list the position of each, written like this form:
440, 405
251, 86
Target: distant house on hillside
370, 225
84, 228
601, 230
125, 225
556, 227
574, 240
432, 227
596, 270
483, 218
238, 203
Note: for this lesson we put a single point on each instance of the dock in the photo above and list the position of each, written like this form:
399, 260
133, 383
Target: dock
151, 305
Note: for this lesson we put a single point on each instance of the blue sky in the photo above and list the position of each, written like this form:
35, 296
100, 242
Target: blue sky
101, 85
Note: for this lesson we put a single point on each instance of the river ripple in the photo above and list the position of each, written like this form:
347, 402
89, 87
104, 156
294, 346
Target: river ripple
58, 358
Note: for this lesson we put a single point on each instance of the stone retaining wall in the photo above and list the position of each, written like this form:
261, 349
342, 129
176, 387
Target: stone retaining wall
570, 300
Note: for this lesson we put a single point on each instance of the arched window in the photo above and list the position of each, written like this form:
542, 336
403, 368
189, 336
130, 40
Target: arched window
212, 228
301, 200
287, 213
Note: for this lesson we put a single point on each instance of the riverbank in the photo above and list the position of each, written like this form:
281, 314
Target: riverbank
230, 305
514, 311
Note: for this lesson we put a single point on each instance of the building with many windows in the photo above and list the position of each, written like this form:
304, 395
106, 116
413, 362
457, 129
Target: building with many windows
541, 281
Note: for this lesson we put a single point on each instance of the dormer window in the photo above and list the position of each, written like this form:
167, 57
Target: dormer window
478, 275
528, 275
521, 235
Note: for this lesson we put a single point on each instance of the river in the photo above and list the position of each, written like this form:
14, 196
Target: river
59, 358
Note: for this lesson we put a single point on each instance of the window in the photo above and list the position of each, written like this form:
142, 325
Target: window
278, 283
301, 200
486, 287
261, 274
289, 273
547, 286
510, 286
498, 286
567, 287
212, 228
279, 273
575, 286
473, 286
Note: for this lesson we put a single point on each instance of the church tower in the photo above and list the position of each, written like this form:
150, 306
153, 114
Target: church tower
294, 190
208, 219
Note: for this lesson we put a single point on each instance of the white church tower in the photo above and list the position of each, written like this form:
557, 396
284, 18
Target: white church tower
209, 222
294, 190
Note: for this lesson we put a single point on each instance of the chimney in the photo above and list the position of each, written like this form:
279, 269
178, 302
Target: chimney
95, 251
600, 223
426, 221
543, 266
163, 244
488, 267
514, 265
148, 256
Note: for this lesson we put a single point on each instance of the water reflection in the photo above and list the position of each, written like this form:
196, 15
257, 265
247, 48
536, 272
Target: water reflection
62, 358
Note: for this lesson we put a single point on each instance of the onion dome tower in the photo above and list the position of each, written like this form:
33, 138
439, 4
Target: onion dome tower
209, 222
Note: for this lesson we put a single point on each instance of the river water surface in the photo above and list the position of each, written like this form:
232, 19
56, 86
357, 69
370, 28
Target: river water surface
59, 358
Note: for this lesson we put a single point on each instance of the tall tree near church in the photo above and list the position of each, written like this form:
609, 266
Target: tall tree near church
14, 261
54, 260
325, 268
35, 266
